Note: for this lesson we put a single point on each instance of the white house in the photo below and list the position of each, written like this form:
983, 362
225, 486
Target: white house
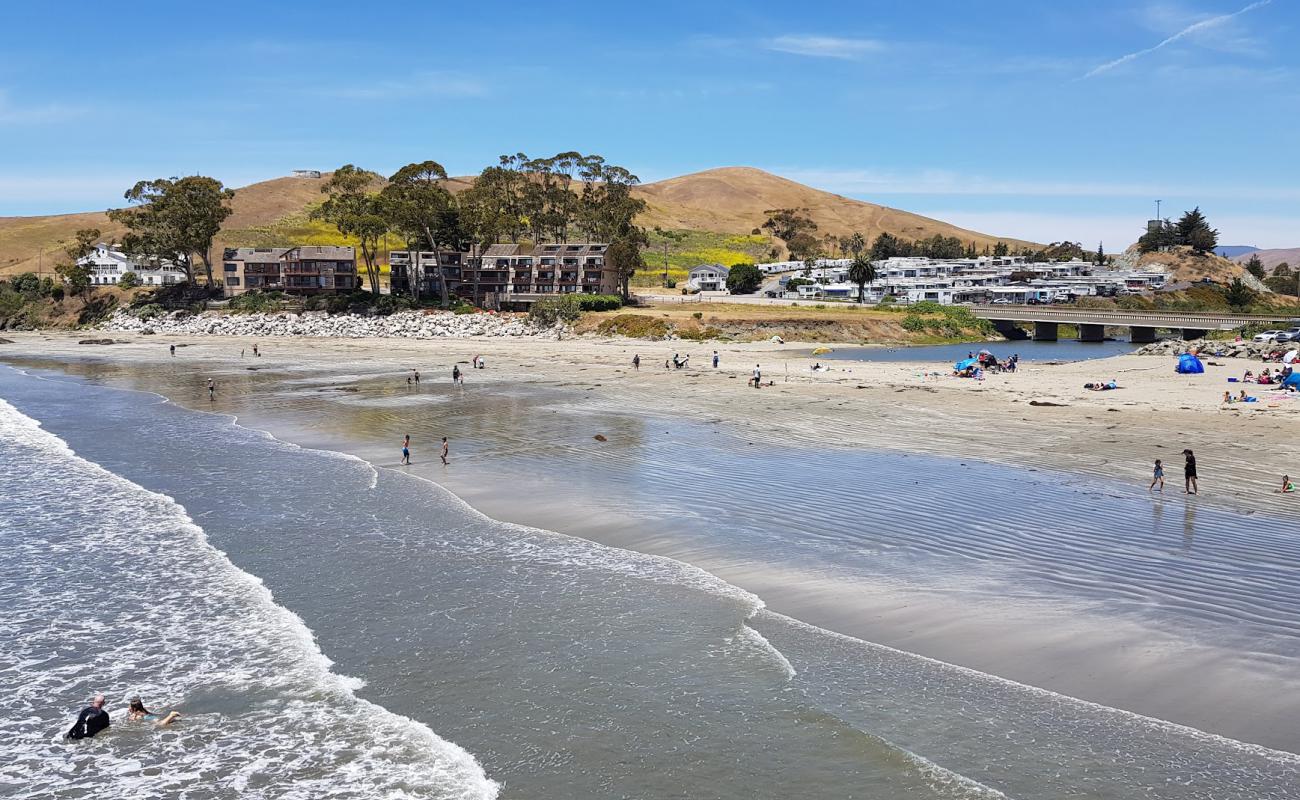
108, 264
708, 278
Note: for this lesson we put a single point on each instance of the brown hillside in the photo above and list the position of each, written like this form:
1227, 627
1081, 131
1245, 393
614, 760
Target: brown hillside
1183, 264
23, 238
1271, 258
729, 200
733, 199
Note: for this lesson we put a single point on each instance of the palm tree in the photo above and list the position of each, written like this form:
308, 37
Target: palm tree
862, 271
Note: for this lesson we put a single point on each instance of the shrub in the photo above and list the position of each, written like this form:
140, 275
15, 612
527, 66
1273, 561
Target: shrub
887, 300
550, 310
599, 302
633, 325
700, 334
26, 283
129, 280
698, 315
256, 301
913, 323
744, 279
670, 284
147, 312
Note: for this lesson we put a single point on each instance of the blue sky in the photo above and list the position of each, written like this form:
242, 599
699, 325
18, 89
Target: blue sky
1044, 120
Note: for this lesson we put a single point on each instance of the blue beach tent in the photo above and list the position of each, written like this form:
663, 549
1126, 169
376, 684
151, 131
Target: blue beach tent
1189, 364
965, 364
1293, 380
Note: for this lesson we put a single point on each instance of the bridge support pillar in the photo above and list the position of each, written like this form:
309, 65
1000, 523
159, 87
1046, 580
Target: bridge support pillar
1009, 329
1193, 333
1092, 333
1140, 335
1045, 331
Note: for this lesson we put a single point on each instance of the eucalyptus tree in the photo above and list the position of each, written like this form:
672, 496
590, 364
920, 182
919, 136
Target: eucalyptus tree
417, 203
174, 219
355, 209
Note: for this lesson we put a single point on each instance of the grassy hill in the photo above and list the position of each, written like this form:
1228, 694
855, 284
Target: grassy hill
1271, 258
718, 209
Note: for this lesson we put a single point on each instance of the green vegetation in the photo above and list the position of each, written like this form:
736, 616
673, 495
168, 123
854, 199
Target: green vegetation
1192, 230
744, 279
949, 322
129, 280
637, 326
256, 302
568, 307
174, 219
796, 229
694, 248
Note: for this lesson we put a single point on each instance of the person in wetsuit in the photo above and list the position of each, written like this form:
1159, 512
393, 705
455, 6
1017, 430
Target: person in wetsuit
91, 721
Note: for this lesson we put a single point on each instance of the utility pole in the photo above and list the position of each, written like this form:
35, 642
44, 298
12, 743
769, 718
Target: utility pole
1158, 202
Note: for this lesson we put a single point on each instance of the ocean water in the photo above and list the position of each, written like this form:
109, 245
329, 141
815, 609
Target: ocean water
557, 666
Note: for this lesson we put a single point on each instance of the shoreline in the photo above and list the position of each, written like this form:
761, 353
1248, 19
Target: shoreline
691, 397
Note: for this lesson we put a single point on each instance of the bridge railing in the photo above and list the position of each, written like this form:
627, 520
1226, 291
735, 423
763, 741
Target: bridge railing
1146, 319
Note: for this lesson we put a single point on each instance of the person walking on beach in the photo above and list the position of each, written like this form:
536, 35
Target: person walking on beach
636, 362
715, 359
1189, 474
255, 353
445, 449
173, 350
212, 389
406, 449
92, 720
455, 374
1157, 476
417, 375
758, 377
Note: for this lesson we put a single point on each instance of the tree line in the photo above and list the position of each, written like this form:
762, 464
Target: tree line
797, 230
538, 199
1191, 230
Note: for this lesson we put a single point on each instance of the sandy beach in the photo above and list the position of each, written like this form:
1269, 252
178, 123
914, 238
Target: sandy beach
1040, 418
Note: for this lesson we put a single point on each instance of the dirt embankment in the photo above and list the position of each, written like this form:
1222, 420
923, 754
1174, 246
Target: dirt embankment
739, 323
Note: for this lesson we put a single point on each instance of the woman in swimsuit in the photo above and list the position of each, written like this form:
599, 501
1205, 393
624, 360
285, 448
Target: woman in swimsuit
136, 712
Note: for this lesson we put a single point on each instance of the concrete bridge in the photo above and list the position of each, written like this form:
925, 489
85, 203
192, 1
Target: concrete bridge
1093, 322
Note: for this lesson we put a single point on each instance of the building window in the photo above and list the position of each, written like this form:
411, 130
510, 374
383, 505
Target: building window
231, 267
232, 281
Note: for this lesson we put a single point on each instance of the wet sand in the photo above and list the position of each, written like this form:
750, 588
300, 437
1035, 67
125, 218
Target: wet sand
902, 409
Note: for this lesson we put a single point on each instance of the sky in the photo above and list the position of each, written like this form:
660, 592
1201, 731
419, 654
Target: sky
1038, 120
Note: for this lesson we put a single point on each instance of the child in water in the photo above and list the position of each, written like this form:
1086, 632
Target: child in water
1157, 476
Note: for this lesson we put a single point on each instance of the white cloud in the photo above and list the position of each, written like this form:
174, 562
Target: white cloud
1192, 31
823, 46
420, 84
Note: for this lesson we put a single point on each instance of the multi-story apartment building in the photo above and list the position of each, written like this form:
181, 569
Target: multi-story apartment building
301, 270
503, 270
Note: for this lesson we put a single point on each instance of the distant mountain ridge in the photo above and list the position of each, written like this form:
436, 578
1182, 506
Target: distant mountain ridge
727, 200
1272, 257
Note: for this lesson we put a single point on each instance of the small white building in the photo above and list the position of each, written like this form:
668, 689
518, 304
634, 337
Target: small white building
708, 278
108, 264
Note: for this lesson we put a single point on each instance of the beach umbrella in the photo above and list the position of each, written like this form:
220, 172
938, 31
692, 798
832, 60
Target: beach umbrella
1291, 356
965, 363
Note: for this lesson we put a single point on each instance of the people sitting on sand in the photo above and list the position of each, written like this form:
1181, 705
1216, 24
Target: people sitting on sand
1245, 398
136, 712
1099, 386
1265, 377
1287, 486
1227, 397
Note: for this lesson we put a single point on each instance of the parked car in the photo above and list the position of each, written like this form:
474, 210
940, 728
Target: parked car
1289, 335
1002, 301
1267, 336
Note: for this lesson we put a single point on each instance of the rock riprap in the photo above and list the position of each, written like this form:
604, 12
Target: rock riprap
404, 325
1212, 347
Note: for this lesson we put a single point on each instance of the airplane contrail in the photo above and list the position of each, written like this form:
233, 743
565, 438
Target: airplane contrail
1185, 32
